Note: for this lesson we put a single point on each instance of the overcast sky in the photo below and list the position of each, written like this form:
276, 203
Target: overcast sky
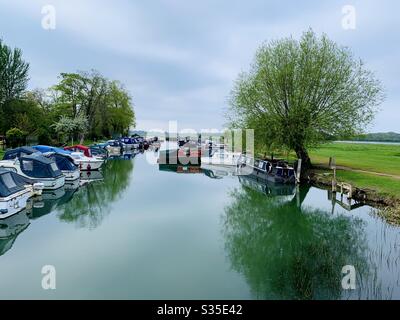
179, 58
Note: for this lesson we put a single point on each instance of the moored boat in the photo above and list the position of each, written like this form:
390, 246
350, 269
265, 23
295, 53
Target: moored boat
37, 168
222, 158
274, 171
14, 193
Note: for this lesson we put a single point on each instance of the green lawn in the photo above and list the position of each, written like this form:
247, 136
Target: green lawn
371, 157
1, 154
383, 185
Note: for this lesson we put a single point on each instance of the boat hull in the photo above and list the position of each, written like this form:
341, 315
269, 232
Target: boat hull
89, 165
13, 204
71, 175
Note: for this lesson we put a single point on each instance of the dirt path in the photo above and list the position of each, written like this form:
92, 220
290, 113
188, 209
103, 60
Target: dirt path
321, 166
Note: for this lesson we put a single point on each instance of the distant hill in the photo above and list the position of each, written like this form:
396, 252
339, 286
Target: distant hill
380, 136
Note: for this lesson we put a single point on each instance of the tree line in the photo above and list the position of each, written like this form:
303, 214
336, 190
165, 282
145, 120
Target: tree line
82, 105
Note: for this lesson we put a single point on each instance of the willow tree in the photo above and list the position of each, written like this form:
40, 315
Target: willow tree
297, 94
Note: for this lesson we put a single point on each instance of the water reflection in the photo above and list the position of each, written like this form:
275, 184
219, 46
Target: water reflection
10, 228
92, 202
288, 251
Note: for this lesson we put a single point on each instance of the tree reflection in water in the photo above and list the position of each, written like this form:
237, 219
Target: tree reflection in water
92, 202
287, 251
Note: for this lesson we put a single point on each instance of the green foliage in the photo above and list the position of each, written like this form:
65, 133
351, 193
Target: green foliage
289, 251
105, 104
13, 73
81, 103
15, 137
298, 93
69, 127
380, 136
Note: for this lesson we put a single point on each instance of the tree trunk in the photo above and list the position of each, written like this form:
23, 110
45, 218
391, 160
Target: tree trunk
302, 154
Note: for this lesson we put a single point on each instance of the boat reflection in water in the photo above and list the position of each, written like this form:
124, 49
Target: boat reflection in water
10, 228
91, 176
49, 202
93, 200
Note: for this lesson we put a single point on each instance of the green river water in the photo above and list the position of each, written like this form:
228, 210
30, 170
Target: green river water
144, 233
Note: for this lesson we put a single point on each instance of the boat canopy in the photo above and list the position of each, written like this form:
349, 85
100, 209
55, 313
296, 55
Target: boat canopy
9, 184
64, 161
80, 148
38, 166
45, 149
18, 153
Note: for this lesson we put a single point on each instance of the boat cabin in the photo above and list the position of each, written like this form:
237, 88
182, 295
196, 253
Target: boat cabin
80, 148
18, 153
38, 166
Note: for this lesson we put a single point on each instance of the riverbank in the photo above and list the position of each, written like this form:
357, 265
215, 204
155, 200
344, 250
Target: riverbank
372, 169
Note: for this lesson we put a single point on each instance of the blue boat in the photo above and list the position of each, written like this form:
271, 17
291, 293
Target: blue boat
63, 160
38, 168
45, 149
17, 153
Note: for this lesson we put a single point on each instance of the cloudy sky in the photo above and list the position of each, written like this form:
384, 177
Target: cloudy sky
179, 58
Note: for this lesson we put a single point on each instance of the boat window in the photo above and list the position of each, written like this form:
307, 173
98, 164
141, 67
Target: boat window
261, 165
9, 181
54, 166
27, 165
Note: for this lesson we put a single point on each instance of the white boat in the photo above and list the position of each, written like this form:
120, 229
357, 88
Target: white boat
66, 164
37, 168
85, 163
222, 158
14, 193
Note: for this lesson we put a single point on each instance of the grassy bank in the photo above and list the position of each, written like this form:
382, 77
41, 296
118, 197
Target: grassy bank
369, 157
374, 159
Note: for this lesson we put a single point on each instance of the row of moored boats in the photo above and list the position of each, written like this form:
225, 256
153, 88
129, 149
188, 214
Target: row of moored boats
26, 172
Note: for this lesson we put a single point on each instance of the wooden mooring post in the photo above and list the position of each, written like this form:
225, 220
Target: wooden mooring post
345, 188
298, 173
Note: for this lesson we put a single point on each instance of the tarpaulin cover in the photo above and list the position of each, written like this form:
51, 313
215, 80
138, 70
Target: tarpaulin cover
9, 184
38, 166
18, 153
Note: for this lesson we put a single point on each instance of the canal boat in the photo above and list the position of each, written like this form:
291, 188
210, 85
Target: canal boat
115, 147
286, 191
37, 168
222, 157
273, 171
14, 193
130, 143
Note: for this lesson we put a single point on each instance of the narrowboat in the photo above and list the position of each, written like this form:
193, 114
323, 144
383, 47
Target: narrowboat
222, 157
273, 171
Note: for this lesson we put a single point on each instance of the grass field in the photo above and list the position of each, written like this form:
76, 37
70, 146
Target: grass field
378, 158
370, 157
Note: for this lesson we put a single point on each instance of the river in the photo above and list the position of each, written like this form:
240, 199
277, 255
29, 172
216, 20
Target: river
144, 231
